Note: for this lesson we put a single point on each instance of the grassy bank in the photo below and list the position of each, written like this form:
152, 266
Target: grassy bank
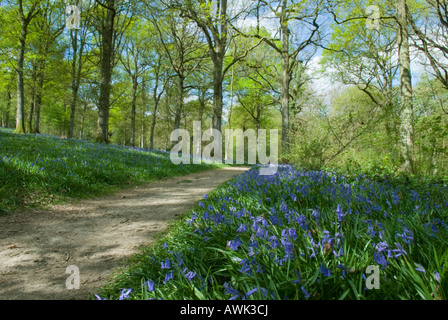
42, 170
299, 235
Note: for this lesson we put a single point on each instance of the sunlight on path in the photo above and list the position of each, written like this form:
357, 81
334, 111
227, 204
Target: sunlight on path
95, 235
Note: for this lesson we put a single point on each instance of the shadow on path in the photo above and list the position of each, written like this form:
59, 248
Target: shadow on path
96, 235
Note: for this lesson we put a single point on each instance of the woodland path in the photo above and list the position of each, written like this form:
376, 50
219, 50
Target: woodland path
96, 235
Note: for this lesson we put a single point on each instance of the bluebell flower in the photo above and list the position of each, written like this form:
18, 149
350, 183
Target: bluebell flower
379, 258
273, 241
166, 264
381, 246
230, 290
437, 276
420, 268
242, 228
125, 294
288, 246
234, 244
325, 271
251, 292
168, 277
400, 251
189, 275
246, 268
307, 295
150, 284
251, 252
340, 213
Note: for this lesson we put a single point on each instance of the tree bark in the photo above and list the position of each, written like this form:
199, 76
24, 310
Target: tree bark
144, 101
180, 102
107, 35
217, 89
76, 78
406, 128
133, 108
38, 99
286, 79
20, 117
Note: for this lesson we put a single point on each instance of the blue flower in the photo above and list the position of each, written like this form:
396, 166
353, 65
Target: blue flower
273, 241
150, 285
325, 271
125, 294
189, 275
381, 246
437, 276
242, 228
420, 268
229, 290
251, 292
234, 244
340, 213
379, 258
307, 295
166, 264
168, 277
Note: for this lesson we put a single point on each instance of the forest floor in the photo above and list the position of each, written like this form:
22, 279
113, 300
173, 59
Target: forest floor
95, 235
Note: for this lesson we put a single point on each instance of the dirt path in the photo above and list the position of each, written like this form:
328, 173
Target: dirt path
97, 235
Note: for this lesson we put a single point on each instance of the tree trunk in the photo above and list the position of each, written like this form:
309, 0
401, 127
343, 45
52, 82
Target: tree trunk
143, 128
154, 118
8, 108
38, 100
217, 88
407, 143
30, 117
180, 104
75, 82
106, 74
83, 115
20, 118
133, 109
286, 79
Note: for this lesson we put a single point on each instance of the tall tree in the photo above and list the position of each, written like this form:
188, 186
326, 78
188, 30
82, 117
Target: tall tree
214, 18
404, 62
179, 39
26, 12
48, 29
115, 17
300, 15
135, 65
78, 41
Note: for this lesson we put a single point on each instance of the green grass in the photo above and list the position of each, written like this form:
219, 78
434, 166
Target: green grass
37, 171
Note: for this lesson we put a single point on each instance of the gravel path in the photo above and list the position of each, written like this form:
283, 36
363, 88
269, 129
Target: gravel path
97, 236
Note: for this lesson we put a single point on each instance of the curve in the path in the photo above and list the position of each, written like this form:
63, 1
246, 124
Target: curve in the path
96, 235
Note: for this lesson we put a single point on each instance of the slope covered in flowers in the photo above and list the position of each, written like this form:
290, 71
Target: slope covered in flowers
299, 235
36, 170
